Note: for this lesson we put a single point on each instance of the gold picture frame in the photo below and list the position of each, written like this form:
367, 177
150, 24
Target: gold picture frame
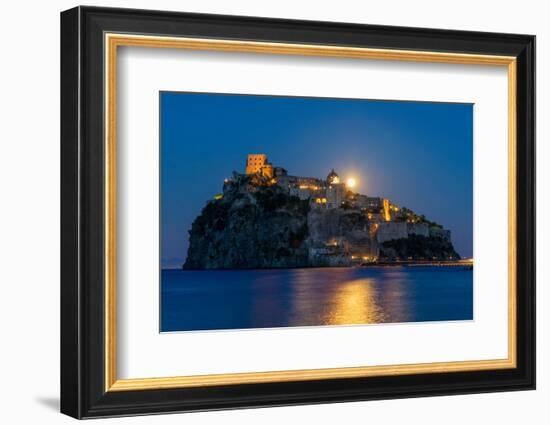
114, 41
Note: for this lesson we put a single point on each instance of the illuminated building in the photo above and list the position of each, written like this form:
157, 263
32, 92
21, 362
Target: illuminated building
258, 164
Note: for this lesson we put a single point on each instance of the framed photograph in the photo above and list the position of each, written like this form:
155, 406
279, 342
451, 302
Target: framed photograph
261, 212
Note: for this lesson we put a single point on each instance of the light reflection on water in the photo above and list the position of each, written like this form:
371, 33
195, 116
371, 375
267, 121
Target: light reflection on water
354, 302
205, 300
332, 297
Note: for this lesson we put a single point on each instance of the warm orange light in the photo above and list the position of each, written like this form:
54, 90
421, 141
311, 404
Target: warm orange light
387, 216
351, 182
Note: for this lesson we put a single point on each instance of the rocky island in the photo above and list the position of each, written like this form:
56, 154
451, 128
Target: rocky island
266, 218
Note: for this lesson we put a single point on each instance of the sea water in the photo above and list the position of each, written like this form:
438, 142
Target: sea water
244, 299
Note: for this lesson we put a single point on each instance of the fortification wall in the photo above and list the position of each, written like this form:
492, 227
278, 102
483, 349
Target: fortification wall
400, 229
421, 229
391, 230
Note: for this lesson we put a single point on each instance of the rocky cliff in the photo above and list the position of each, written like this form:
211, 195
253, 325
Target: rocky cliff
250, 227
257, 224
418, 247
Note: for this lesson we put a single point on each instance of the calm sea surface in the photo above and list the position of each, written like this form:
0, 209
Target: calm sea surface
206, 300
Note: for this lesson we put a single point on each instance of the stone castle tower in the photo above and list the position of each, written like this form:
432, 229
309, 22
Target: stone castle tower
258, 163
335, 191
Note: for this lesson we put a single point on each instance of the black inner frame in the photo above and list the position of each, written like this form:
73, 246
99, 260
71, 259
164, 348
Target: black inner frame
82, 212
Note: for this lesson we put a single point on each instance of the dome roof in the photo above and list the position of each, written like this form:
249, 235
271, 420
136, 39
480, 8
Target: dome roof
333, 177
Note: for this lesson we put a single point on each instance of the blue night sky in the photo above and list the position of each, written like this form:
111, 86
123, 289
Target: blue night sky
417, 154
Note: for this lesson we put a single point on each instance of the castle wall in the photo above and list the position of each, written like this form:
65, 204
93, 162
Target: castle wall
401, 229
391, 230
421, 229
